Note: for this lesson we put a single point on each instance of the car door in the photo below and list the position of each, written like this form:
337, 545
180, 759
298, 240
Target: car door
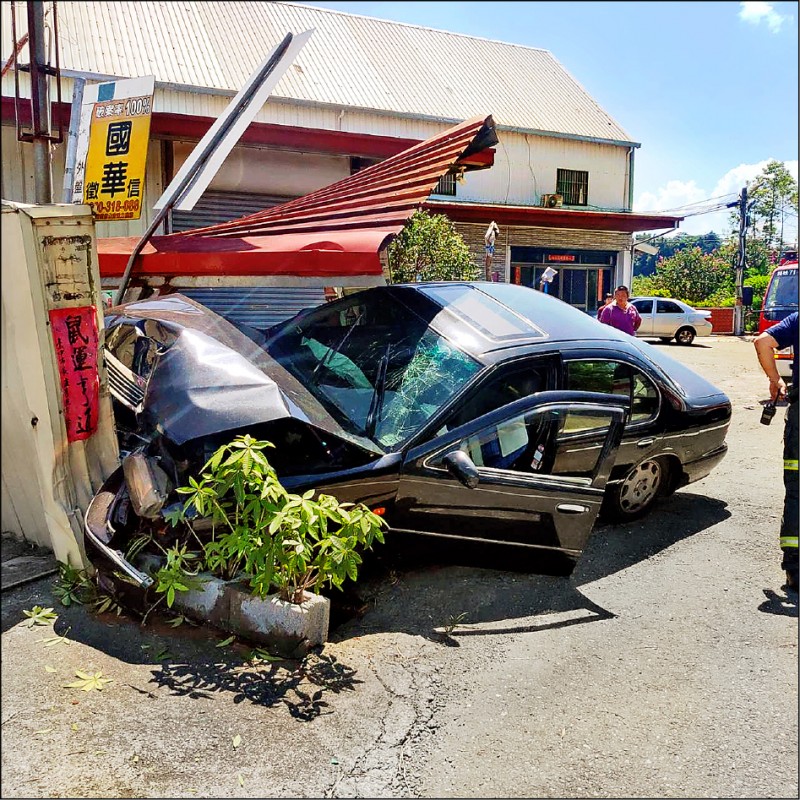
645, 309
531, 473
669, 317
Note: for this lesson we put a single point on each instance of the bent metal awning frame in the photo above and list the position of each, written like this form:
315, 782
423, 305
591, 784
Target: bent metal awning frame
333, 236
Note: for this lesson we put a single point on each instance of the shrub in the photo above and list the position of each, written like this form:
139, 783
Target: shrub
430, 249
276, 539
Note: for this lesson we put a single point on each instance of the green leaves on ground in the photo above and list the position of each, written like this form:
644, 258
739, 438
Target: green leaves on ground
39, 616
88, 683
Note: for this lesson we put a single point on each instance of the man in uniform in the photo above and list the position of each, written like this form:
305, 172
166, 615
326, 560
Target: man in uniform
785, 334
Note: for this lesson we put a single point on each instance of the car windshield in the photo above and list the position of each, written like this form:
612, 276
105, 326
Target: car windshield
380, 369
782, 289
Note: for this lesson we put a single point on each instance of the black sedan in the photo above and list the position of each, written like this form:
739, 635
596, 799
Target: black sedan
480, 411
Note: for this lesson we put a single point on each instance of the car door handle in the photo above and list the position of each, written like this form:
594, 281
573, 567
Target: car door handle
645, 442
571, 508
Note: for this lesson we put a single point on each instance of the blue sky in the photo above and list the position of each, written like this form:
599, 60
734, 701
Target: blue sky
708, 88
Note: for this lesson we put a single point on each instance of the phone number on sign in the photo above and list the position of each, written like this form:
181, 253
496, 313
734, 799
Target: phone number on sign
116, 206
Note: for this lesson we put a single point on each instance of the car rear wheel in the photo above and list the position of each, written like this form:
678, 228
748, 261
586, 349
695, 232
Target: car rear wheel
637, 492
684, 336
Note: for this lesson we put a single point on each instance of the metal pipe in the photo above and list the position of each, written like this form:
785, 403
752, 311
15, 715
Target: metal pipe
630, 178
72, 138
42, 177
189, 178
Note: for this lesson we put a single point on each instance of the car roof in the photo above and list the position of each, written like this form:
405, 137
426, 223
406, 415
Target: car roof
497, 315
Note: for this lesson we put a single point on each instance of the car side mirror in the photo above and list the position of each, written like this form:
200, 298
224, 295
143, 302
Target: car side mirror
460, 466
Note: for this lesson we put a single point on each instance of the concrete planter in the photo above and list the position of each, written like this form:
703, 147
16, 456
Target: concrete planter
287, 629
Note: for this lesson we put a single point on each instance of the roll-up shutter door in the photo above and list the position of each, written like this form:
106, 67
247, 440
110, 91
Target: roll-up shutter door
215, 207
258, 307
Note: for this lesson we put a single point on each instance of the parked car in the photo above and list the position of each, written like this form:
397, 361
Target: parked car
482, 411
664, 318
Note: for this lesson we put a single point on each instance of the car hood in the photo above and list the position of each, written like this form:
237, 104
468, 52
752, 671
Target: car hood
209, 377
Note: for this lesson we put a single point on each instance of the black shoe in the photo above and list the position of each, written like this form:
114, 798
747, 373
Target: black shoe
791, 582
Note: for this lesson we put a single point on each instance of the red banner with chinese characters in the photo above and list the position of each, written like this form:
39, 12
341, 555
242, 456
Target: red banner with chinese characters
76, 341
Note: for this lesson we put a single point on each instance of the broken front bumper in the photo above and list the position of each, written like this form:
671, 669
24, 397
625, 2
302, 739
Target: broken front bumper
99, 531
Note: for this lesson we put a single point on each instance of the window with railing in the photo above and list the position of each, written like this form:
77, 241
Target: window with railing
573, 186
446, 186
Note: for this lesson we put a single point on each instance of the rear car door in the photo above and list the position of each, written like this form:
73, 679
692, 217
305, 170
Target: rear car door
669, 317
529, 474
645, 309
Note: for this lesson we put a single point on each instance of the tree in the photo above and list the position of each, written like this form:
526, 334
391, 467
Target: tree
772, 202
645, 263
429, 249
773, 194
692, 276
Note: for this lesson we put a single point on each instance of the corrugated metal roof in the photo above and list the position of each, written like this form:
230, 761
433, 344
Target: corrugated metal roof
350, 60
381, 196
338, 230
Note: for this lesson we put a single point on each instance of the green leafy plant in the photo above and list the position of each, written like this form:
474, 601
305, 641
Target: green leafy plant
73, 585
39, 616
429, 249
453, 621
278, 540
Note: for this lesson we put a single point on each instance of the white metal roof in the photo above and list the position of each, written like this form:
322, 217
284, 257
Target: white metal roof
351, 61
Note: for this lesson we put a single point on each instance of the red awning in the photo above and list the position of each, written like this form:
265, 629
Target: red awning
332, 254
336, 231
533, 216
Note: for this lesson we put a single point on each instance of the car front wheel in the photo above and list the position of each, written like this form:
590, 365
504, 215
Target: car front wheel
684, 336
637, 492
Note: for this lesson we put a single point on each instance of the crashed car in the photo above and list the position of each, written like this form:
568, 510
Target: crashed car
469, 411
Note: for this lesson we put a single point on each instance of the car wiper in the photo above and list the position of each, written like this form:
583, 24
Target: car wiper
332, 351
377, 397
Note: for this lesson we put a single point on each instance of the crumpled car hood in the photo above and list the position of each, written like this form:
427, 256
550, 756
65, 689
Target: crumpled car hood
209, 377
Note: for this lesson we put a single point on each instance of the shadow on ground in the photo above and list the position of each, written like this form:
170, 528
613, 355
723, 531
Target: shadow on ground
421, 588
409, 586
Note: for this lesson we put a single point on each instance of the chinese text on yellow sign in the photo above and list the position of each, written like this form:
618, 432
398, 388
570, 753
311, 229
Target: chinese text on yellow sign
115, 164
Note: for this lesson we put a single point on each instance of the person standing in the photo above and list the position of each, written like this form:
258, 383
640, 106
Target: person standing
621, 314
607, 302
785, 334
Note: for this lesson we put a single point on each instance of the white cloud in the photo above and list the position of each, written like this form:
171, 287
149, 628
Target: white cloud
680, 194
754, 13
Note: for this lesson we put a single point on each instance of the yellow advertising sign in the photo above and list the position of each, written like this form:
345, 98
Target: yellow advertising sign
113, 181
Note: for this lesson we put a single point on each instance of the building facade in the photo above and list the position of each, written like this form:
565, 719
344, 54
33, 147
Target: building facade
362, 89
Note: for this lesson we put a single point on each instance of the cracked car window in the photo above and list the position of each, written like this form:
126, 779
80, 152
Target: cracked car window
382, 371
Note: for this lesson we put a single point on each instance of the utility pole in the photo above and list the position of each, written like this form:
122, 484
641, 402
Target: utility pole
42, 167
738, 311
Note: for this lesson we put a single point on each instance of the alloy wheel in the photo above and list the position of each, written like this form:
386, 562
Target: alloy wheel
685, 336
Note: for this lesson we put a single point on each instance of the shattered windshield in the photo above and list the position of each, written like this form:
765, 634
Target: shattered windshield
382, 371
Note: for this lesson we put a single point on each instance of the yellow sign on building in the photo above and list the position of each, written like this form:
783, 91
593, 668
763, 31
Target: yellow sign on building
114, 170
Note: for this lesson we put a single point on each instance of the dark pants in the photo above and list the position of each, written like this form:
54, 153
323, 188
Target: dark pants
789, 522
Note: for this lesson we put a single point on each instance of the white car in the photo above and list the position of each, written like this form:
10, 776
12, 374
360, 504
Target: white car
665, 319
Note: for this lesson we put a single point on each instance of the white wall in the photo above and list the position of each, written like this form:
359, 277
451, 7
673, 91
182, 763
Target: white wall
524, 169
275, 172
47, 481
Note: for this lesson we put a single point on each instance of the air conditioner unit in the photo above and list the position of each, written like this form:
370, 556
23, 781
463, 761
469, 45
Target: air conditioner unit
552, 201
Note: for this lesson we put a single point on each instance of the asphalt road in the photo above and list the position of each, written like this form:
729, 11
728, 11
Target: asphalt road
664, 666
